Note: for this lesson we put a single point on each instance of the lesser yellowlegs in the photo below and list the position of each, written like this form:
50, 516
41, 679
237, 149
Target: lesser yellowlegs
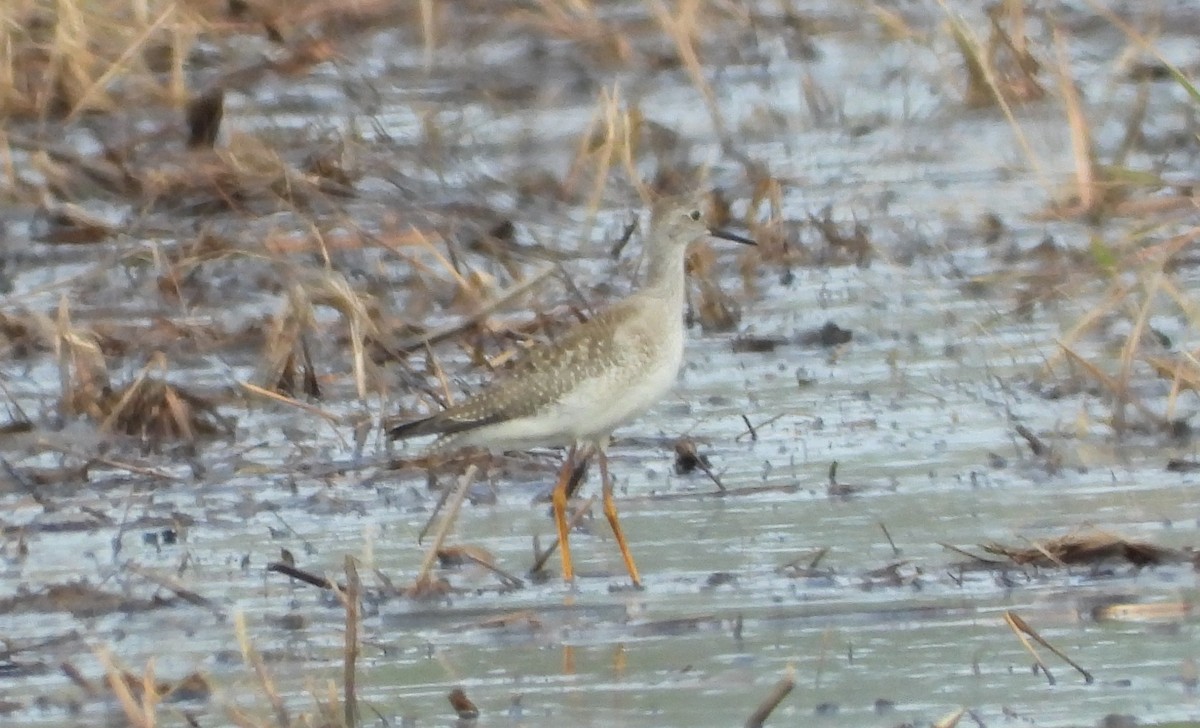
597, 376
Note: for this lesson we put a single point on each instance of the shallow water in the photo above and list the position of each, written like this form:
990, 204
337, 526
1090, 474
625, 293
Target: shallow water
890, 627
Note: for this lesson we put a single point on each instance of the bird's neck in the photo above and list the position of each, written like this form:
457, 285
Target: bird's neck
665, 279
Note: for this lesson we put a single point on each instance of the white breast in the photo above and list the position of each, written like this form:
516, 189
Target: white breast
615, 400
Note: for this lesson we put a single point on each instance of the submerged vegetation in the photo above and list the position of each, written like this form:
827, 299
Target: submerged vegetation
241, 238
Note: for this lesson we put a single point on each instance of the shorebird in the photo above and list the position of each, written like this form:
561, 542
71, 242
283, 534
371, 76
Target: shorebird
598, 375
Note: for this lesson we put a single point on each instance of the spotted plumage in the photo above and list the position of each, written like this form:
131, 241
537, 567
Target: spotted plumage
574, 389
597, 376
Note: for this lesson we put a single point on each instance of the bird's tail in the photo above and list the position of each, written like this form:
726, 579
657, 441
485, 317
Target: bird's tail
416, 428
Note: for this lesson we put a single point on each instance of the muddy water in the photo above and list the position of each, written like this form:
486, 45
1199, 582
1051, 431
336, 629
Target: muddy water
888, 627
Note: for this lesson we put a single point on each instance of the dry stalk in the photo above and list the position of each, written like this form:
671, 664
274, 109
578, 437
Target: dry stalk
540, 558
1021, 628
423, 241
255, 660
121, 65
894, 26
772, 700
332, 289
577, 20
1116, 296
684, 28
1130, 350
90, 56
455, 503
485, 310
951, 719
139, 715
1082, 147
1148, 46
983, 84
1110, 384
157, 361
607, 138
82, 372
350, 601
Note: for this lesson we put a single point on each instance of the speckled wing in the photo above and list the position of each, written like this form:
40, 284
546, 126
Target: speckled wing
541, 377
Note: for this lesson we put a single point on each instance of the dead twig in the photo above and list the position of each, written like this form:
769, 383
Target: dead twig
437, 509
506, 578
455, 503
540, 561
487, 309
172, 585
252, 656
1021, 628
750, 429
773, 698
350, 599
307, 577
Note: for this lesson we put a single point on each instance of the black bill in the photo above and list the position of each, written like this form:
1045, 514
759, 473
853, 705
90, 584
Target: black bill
726, 235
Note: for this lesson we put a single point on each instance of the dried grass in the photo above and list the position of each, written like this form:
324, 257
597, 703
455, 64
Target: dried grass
156, 411
1087, 548
1003, 70
62, 59
1148, 289
602, 42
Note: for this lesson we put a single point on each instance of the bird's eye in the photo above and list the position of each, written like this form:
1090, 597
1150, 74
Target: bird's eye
694, 215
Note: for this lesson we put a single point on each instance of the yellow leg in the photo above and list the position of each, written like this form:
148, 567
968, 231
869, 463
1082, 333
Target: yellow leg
610, 511
559, 500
